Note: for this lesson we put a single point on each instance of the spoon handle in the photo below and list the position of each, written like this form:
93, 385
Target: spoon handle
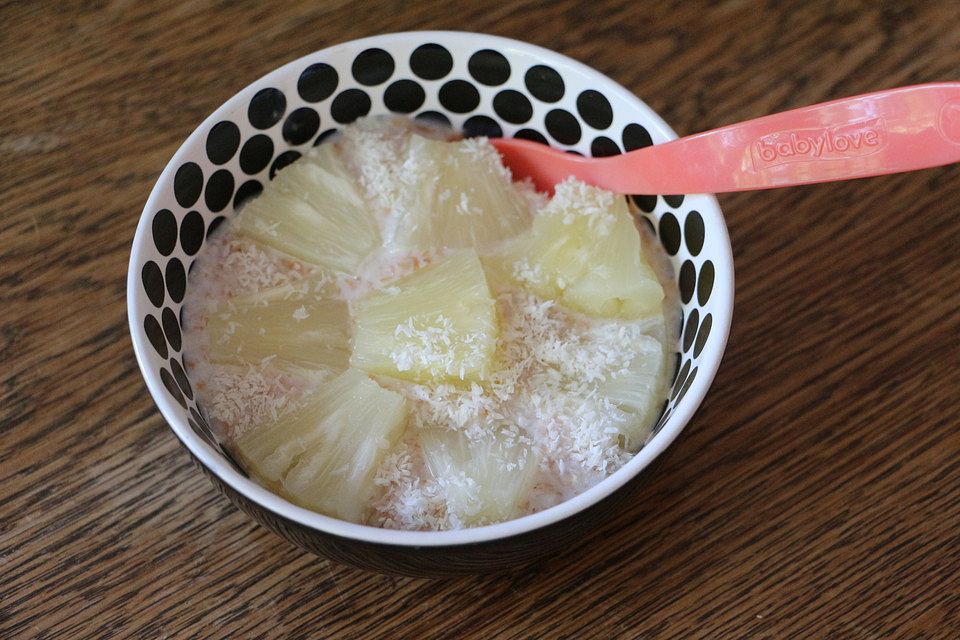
889, 131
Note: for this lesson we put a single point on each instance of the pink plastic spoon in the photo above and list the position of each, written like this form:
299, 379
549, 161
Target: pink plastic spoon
877, 133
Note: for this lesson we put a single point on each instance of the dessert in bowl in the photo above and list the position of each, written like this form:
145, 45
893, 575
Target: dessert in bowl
480, 86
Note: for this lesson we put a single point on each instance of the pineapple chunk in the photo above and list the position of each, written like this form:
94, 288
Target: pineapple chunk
325, 453
639, 390
462, 198
290, 323
584, 251
484, 481
437, 324
313, 212
453, 194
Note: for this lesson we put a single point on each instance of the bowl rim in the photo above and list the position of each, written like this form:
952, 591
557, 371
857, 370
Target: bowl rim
214, 462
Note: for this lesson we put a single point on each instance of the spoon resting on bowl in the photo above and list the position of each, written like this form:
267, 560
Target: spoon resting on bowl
890, 131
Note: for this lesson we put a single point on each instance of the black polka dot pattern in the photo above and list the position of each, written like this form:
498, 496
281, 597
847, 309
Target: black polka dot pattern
164, 229
266, 108
198, 417
678, 357
459, 96
152, 279
249, 189
172, 388
256, 154
155, 335
595, 109
646, 203
431, 61
180, 376
434, 118
489, 67
705, 283
664, 418
482, 126
191, 233
222, 142
690, 330
372, 67
176, 279
301, 125
693, 232
317, 82
219, 220
283, 160
188, 184
687, 281
204, 433
219, 190
531, 134
201, 427
603, 147
648, 223
323, 137
686, 385
171, 328
635, 136
404, 96
681, 378
513, 106
350, 105
544, 83
702, 334
670, 233
563, 126
492, 93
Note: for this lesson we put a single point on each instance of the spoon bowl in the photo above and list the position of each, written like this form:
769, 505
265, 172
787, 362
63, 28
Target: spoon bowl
459, 76
890, 131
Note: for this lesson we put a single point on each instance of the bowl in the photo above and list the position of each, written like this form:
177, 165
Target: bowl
482, 85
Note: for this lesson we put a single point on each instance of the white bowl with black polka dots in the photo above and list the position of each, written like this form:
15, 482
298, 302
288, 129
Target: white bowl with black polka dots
482, 85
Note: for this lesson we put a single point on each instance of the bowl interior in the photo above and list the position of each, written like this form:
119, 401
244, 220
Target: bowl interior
482, 85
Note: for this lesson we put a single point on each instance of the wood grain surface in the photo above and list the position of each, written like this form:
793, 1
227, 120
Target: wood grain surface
816, 494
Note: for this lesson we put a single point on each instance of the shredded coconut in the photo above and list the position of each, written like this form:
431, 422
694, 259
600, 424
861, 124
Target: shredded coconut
408, 500
428, 345
573, 199
243, 397
545, 397
547, 392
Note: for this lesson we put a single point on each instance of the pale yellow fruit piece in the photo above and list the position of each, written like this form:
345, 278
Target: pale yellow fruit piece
291, 325
325, 452
583, 251
460, 195
313, 211
436, 324
483, 481
336, 477
639, 391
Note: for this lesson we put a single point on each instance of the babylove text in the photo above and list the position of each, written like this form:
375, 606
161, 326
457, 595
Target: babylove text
800, 145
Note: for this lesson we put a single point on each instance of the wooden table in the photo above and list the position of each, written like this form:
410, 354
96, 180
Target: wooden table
815, 495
